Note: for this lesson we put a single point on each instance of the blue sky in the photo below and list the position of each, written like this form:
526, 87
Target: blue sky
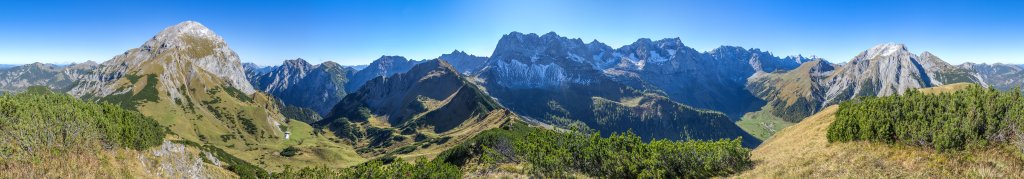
357, 32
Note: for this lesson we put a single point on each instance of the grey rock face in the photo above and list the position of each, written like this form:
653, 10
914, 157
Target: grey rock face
463, 62
384, 66
298, 83
175, 161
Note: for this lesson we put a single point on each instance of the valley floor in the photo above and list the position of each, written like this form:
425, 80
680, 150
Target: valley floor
762, 124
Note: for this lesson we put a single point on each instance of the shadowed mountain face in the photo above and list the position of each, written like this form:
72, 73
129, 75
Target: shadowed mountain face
383, 66
298, 83
431, 98
883, 70
563, 81
713, 80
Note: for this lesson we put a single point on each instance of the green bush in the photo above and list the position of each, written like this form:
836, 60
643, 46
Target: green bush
422, 168
289, 151
556, 154
972, 117
40, 120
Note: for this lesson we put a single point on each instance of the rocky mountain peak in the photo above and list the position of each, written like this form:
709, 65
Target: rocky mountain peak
297, 63
184, 35
801, 59
384, 66
330, 64
178, 55
885, 50
464, 62
551, 36
433, 65
189, 28
457, 52
383, 60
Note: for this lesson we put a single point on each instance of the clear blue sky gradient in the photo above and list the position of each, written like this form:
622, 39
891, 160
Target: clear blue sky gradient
357, 32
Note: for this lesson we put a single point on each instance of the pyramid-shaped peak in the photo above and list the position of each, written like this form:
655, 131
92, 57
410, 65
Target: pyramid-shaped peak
190, 28
886, 49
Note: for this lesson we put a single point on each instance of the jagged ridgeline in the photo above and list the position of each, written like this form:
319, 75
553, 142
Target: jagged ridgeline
423, 111
643, 87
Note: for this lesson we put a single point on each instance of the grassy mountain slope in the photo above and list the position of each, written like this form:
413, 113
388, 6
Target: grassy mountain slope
418, 113
803, 151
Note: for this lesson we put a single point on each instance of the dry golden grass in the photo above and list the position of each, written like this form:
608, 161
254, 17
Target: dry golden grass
945, 88
802, 151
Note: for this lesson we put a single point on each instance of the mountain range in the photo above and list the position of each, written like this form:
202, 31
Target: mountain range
429, 102
883, 70
188, 80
